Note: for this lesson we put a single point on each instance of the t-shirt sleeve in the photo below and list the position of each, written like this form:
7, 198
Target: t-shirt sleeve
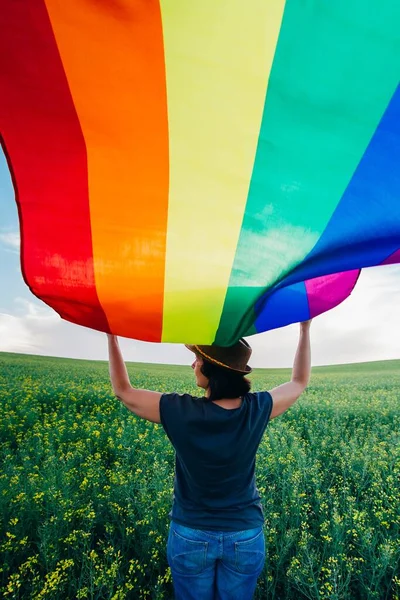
265, 402
173, 412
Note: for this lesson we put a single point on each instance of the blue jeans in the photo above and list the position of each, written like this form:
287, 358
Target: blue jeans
215, 565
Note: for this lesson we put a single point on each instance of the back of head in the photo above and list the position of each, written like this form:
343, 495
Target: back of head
224, 383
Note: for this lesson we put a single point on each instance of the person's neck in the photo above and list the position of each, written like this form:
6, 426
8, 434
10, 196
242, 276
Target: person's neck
225, 402
229, 403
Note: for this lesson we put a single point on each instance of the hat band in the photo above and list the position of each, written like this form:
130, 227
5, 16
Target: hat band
217, 362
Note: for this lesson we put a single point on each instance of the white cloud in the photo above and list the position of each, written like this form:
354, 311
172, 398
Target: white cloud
35, 311
15, 336
11, 239
29, 330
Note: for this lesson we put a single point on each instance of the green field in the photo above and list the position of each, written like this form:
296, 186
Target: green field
86, 487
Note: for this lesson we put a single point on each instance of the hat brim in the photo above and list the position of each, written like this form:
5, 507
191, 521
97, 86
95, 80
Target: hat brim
198, 351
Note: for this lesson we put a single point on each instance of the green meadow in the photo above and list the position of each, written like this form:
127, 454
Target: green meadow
86, 487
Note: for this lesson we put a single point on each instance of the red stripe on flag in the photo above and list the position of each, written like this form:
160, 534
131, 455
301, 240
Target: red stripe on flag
46, 152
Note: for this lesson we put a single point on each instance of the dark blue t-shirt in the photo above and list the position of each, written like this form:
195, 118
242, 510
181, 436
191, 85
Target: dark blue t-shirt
215, 487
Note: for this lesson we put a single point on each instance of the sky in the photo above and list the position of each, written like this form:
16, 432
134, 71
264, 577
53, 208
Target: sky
366, 327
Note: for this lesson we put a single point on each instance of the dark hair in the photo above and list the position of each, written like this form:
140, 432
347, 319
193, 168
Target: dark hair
224, 383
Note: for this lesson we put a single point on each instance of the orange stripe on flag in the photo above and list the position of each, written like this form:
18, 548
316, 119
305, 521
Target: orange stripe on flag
114, 62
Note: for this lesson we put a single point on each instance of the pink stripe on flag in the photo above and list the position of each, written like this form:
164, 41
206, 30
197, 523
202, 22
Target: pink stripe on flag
328, 291
392, 259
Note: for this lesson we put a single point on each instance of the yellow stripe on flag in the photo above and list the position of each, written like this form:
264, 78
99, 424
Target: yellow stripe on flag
218, 59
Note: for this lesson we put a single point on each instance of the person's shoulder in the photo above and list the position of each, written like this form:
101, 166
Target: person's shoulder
260, 400
175, 409
177, 400
259, 397
177, 397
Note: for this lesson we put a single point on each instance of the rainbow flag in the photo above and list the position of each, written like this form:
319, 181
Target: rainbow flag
195, 171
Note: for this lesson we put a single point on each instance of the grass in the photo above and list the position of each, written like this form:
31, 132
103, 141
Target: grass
86, 487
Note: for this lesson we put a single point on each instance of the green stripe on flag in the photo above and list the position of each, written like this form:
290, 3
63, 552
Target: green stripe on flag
335, 69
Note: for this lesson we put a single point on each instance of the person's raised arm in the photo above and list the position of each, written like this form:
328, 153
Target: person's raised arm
118, 374
285, 395
144, 403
